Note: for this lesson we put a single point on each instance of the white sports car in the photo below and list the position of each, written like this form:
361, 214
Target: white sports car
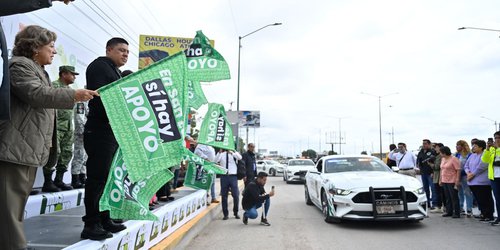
363, 188
297, 169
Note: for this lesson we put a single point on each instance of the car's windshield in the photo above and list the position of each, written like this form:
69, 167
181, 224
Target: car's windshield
301, 163
338, 165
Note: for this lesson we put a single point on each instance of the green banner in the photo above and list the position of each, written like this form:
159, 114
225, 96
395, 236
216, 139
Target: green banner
204, 63
198, 177
130, 200
210, 166
200, 173
196, 96
215, 129
147, 113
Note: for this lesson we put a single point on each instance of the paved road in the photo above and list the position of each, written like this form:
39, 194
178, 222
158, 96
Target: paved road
294, 225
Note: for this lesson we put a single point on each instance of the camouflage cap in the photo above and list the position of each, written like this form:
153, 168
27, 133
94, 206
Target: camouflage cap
67, 68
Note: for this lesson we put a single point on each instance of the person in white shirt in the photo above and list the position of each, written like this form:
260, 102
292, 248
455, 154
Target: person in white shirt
405, 160
207, 153
228, 159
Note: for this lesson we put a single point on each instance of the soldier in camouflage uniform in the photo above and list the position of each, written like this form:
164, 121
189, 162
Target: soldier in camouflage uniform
67, 76
78, 169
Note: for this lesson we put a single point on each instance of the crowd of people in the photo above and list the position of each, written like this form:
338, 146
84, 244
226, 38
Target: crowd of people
50, 124
455, 182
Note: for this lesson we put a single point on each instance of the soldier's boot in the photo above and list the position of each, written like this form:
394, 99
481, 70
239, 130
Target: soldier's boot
48, 184
83, 179
75, 181
58, 181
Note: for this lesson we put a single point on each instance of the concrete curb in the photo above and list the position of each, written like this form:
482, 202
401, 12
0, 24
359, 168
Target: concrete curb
181, 238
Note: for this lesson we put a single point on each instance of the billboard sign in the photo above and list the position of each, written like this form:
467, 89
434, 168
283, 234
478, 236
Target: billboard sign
154, 48
249, 119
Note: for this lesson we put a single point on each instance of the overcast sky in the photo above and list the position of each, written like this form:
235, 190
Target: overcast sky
305, 74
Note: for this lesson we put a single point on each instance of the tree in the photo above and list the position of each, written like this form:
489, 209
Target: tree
310, 154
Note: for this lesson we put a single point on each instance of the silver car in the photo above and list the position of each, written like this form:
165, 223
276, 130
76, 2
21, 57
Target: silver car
269, 166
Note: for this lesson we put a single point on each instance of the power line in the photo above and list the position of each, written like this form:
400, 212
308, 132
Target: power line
232, 16
106, 22
119, 26
61, 32
154, 17
104, 19
76, 26
92, 20
122, 21
135, 9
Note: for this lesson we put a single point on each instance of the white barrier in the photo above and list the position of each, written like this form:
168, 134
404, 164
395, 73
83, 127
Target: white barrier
145, 234
51, 202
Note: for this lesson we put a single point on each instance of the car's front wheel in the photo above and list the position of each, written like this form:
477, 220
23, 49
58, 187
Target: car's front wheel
272, 171
326, 208
307, 196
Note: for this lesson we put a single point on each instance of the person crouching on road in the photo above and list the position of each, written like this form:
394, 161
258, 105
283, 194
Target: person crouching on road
253, 197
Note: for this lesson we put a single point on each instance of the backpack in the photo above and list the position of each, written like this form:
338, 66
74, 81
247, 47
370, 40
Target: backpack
241, 171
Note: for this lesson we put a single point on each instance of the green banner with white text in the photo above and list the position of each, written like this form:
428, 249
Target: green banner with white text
147, 111
130, 200
204, 63
215, 129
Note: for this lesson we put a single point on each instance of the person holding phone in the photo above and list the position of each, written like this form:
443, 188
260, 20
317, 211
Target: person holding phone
254, 196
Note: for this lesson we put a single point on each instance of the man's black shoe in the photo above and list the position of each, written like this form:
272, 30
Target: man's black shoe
495, 223
245, 219
119, 221
264, 222
225, 218
49, 187
237, 216
63, 186
109, 225
34, 191
95, 232
487, 220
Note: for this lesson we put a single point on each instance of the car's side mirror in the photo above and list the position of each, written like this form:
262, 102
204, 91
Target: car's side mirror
314, 172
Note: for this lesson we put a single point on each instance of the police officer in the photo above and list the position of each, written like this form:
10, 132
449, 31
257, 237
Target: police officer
67, 76
78, 169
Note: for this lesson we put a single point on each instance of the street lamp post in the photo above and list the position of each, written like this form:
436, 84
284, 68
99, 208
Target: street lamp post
238, 94
496, 127
340, 134
379, 116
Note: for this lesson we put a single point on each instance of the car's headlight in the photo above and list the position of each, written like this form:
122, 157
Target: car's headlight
289, 171
420, 191
339, 191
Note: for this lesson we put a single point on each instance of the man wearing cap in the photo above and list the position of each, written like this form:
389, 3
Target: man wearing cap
67, 76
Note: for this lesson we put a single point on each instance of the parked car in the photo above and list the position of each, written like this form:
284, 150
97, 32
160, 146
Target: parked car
269, 166
296, 169
363, 188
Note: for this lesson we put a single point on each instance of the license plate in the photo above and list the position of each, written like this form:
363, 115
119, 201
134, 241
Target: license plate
387, 202
386, 210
